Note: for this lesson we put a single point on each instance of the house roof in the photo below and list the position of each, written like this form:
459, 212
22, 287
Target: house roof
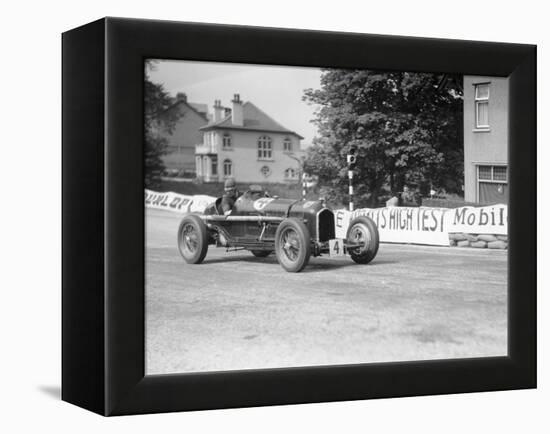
200, 107
254, 119
195, 107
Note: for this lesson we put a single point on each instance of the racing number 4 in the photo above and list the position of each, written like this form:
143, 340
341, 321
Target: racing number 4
336, 247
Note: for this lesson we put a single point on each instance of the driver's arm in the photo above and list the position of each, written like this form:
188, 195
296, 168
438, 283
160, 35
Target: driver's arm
227, 205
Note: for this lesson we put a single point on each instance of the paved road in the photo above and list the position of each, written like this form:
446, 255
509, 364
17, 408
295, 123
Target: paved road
236, 311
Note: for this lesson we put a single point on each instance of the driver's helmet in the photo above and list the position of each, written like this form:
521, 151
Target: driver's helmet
230, 185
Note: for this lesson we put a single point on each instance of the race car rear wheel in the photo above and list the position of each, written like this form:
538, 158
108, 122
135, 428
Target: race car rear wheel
292, 245
192, 239
362, 230
261, 253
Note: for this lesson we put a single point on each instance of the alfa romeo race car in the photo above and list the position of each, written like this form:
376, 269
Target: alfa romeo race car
293, 229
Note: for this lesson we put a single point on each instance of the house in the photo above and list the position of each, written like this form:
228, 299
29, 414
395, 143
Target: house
247, 144
185, 135
485, 139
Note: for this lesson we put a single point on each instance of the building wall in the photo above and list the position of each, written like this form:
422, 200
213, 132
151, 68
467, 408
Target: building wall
484, 146
179, 158
243, 154
182, 141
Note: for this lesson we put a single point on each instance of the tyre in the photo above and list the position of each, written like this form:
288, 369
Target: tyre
363, 230
261, 253
192, 239
292, 245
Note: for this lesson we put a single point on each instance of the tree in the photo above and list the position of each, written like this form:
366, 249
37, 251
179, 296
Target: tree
159, 121
407, 128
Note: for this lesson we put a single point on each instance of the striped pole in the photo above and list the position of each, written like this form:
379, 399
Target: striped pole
304, 186
350, 177
351, 160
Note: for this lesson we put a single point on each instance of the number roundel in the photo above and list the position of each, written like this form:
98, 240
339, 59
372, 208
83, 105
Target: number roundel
261, 203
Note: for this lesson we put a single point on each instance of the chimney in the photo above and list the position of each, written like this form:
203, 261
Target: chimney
237, 112
180, 96
218, 111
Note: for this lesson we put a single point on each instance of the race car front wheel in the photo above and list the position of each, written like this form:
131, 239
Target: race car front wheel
292, 245
192, 239
364, 233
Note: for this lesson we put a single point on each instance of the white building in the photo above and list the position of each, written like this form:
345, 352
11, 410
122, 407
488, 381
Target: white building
486, 139
245, 143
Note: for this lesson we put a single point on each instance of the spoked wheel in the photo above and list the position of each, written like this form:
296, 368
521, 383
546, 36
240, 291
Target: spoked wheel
292, 245
261, 253
363, 231
192, 239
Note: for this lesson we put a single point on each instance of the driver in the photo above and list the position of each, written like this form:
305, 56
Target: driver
229, 196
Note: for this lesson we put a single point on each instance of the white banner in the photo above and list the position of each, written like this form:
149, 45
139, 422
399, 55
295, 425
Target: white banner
479, 220
427, 225
395, 224
401, 224
176, 202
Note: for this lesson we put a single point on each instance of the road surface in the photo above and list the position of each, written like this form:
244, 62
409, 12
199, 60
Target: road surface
236, 311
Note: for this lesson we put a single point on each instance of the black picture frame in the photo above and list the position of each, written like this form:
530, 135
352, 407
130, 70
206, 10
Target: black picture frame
103, 217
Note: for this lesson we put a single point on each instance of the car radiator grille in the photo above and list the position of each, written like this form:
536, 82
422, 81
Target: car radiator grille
325, 225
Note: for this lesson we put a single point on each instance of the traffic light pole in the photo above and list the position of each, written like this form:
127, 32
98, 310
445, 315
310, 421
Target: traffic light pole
351, 160
350, 177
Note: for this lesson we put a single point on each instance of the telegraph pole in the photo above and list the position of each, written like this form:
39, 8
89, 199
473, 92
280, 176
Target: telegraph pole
351, 160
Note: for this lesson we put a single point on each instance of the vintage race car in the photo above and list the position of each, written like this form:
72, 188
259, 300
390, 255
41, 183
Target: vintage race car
293, 229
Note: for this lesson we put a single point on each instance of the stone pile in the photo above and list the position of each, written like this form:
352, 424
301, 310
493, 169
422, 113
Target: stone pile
480, 241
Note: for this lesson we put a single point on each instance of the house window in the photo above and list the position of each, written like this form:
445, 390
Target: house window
287, 145
482, 105
264, 148
500, 173
485, 173
290, 173
492, 173
266, 171
226, 141
214, 160
227, 168
492, 184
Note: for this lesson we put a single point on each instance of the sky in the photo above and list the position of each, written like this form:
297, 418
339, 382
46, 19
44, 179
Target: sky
276, 90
